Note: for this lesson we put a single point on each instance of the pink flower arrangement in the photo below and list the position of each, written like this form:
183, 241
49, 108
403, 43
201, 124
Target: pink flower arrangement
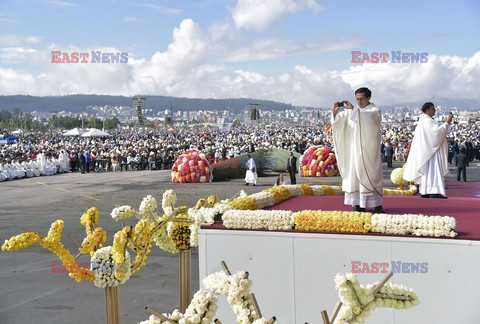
192, 166
318, 161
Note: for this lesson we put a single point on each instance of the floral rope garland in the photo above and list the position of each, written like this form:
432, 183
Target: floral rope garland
333, 221
341, 222
274, 195
257, 219
418, 225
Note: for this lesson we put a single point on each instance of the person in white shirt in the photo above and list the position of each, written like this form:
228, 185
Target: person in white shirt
427, 162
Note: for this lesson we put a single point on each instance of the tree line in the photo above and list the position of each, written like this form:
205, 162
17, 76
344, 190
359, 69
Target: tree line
17, 119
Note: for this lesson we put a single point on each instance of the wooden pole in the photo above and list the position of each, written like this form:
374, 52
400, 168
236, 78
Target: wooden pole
185, 279
335, 312
112, 305
325, 317
158, 314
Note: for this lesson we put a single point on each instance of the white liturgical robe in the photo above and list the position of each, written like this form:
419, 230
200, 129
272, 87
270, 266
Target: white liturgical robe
427, 162
251, 174
356, 137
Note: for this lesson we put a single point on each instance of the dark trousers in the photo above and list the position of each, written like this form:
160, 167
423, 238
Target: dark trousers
292, 178
389, 161
462, 172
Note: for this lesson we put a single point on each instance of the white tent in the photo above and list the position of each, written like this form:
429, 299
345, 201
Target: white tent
74, 132
93, 132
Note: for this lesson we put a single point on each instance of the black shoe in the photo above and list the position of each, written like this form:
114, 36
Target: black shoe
254, 184
246, 184
358, 209
379, 210
439, 196
425, 196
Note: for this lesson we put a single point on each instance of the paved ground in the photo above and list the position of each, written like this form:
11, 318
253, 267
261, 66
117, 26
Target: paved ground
29, 292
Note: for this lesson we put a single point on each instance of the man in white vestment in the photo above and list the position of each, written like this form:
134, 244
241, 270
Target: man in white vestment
427, 162
251, 174
356, 137
41, 162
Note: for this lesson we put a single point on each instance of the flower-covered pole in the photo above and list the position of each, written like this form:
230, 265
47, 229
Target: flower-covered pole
112, 305
185, 258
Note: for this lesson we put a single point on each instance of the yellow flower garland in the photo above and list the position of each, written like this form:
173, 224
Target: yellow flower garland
180, 233
93, 241
333, 221
53, 244
307, 189
280, 193
244, 203
399, 192
328, 190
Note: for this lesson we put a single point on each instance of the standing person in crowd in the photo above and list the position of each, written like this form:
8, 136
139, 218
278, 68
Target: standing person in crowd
88, 160
389, 154
251, 174
461, 164
356, 137
427, 162
81, 161
292, 168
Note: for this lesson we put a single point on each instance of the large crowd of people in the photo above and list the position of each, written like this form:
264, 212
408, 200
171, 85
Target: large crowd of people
44, 154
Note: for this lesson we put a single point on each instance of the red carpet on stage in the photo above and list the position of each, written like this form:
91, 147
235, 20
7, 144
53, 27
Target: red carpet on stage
463, 203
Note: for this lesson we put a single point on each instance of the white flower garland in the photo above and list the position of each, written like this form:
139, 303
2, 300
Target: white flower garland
148, 208
204, 303
104, 267
122, 212
205, 215
164, 242
264, 199
168, 201
358, 301
418, 225
258, 219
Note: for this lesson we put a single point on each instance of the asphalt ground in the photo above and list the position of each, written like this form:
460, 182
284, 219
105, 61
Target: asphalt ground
31, 293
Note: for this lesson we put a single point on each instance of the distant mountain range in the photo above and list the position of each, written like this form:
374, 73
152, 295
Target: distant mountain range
78, 103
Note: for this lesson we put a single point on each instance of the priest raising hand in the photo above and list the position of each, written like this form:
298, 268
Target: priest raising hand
427, 162
356, 137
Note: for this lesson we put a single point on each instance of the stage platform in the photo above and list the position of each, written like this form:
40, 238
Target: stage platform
293, 272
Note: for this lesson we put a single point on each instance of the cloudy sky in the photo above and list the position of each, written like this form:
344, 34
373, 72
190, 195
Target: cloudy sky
293, 51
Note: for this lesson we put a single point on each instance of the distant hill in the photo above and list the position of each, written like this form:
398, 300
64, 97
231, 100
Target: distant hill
78, 103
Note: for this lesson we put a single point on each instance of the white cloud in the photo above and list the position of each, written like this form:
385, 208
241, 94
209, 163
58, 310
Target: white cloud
62, 4
442, 76
259, 14
271, 48
130, 20
163, 10
16, 40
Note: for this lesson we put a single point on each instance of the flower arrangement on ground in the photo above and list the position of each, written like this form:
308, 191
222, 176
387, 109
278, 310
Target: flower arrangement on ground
192, 166
318, 161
